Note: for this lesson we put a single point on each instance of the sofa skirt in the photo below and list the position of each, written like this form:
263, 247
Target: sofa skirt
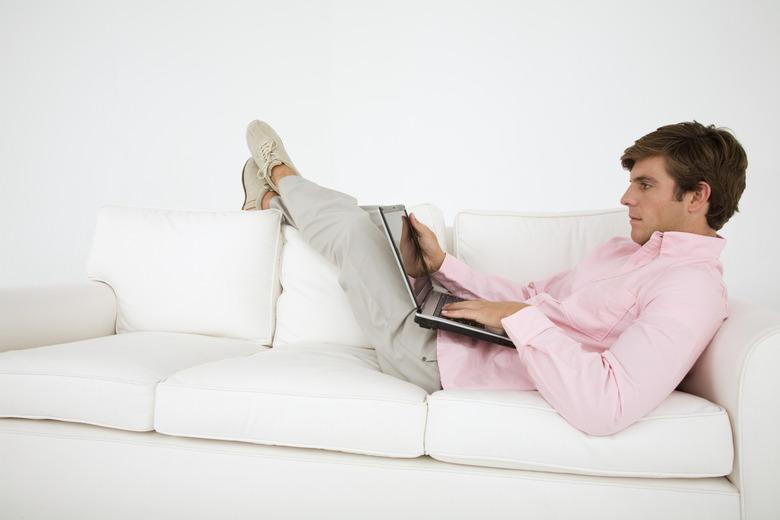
55, 469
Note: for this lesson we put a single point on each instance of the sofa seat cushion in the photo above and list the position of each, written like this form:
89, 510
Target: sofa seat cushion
312, 395
684, 437
107, 381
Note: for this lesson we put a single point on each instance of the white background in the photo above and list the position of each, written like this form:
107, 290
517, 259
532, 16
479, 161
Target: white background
516, 106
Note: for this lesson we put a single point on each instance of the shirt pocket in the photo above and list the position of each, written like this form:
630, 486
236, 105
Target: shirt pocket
594, 311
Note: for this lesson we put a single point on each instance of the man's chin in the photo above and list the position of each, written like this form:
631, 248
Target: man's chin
639, 238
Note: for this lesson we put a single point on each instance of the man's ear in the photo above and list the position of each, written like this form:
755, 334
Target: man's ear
701, 196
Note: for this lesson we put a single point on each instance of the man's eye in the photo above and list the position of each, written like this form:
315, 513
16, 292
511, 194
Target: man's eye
645, 185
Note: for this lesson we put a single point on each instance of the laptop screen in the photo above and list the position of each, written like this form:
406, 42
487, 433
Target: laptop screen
407, 249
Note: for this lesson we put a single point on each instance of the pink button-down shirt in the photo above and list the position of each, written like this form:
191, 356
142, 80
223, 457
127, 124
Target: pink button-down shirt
604, 343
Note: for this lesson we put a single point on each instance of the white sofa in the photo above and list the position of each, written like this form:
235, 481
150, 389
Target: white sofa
210, 367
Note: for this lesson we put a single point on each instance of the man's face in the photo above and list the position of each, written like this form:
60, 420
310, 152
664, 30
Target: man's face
650, 197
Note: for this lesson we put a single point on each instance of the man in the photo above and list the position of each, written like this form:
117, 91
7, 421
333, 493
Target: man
605, 342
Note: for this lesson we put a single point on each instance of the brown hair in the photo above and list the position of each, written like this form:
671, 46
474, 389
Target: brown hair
696, 153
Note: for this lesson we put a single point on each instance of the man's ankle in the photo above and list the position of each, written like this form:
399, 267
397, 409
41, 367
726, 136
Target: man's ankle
265, 202
280, 171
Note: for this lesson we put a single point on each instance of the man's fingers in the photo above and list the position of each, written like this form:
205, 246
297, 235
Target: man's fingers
418, 226
468, 309
468, 314
465, 304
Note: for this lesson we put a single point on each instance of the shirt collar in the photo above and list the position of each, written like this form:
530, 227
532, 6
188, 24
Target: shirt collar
681, 243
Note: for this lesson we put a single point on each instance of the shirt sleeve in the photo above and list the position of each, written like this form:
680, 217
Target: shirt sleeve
468, 283
602, 393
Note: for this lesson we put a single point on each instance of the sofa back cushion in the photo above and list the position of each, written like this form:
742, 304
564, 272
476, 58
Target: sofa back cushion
532, 246
202, 272
313, 306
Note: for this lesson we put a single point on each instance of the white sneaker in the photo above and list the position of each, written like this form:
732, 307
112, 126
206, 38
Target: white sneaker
267, 150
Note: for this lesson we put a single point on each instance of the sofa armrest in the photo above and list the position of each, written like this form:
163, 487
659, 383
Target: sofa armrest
739, 371
33, 316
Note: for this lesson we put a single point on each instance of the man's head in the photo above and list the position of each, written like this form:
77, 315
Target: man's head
684, 177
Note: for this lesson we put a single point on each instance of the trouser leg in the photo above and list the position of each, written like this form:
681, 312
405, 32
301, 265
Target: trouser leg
334, 225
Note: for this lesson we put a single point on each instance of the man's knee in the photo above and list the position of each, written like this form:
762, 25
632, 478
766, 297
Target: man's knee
361, 240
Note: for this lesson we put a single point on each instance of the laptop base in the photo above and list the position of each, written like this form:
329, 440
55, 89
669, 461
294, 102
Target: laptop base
431, 323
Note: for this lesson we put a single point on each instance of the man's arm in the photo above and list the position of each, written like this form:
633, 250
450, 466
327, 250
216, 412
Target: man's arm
603, 393
465, 282
460, 279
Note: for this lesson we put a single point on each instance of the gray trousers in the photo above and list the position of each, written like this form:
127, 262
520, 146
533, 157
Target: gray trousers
334, 225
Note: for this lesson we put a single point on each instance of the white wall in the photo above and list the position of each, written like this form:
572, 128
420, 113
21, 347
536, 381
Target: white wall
505, 105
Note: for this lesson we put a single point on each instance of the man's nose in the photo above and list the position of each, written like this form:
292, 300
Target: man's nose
626, 200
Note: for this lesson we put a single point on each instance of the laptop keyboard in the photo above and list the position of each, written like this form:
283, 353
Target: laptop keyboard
449, 298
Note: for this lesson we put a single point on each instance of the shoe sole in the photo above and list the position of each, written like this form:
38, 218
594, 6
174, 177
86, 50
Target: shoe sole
263, 190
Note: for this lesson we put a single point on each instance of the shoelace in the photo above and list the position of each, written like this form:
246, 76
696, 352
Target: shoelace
267, 149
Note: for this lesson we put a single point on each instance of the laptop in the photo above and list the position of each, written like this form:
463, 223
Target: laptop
427, 296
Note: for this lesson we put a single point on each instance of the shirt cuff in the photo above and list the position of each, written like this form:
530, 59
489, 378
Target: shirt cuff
446, 267
526, 324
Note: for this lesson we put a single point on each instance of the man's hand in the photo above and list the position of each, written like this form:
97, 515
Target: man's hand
415, 261
488, 313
